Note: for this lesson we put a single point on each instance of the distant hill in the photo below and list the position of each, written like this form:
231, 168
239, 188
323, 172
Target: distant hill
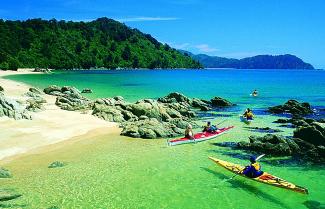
100, 43
286, 61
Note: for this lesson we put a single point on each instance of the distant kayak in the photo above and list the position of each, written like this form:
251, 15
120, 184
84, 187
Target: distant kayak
199, 137
265, 178
245, 120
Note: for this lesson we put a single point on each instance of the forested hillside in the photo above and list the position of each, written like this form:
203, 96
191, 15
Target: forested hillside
100, 43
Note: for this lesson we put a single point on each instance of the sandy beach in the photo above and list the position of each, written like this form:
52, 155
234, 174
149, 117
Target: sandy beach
50, 126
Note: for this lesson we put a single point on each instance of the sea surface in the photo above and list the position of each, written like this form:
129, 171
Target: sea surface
113, 171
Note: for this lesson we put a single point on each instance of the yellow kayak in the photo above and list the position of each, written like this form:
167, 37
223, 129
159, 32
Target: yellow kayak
265, 178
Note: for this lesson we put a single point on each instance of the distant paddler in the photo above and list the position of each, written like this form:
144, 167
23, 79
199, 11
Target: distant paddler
248, 114
254, 93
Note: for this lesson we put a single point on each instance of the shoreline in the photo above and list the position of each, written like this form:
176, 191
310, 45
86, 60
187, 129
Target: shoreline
50, 126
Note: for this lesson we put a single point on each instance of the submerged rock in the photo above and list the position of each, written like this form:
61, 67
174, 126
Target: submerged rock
293, 107
263, 130
5, 173
87, 91
1, 89
6, 195
314, 134
56, 164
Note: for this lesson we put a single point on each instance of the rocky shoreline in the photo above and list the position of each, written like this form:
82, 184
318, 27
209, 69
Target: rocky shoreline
306, 143
147, 118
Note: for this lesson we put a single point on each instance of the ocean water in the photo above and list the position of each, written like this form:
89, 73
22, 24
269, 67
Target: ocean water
112, 171
274, 86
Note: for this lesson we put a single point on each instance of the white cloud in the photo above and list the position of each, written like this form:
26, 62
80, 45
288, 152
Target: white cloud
141, 19
205, 48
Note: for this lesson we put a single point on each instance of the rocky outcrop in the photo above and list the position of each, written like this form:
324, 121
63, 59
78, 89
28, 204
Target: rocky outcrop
275, 145
150, 129
293, 107
220, 102
68, 98
12, 109
308, 143
174, 98
86, 91
313, 133
36, 102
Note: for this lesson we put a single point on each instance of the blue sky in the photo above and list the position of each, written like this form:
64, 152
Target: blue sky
230, 28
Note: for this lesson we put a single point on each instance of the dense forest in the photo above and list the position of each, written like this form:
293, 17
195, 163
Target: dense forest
286, 61
70, 45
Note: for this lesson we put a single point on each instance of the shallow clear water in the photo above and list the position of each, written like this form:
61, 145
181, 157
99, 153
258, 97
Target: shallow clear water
118, 172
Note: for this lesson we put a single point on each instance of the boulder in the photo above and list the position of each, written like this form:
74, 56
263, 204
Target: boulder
87, 91
173, 98
12, 109
35, 104
150, 129
275, 145
293, 107
201, 104
35, 90
71, 103
53, 90
314, 134
1, 89
111, 113
220, 102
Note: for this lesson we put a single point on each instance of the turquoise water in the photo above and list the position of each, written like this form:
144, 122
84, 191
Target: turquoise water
274, 86
119, 172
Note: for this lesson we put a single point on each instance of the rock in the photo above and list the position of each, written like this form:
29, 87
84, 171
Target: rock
42, 70
12, 109
86, 91
53, 90
35, 90
110, 113
174, 97
220, 102
275, 145
56, 164
35, 104
69, 98
5, 173
6, 195
201, 104
263, 130
150, 129
293, 107
1, 88
313, 134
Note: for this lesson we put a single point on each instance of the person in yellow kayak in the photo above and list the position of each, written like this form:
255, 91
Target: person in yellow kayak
254, 169
189, 132
254, 93
248, 114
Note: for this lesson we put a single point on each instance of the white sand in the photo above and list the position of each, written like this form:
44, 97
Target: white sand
47, 127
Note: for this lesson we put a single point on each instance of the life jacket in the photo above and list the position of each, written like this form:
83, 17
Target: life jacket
249, 115
257, 166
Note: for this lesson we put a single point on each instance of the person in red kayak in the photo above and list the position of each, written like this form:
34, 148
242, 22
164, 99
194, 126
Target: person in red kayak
254, 169
209, 128
189, 132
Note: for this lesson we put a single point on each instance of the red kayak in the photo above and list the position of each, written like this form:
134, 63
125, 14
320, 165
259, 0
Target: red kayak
199, 137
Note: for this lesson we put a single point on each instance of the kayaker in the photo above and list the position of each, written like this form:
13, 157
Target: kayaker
255, 93
189, 132
248, 114
253, 170
209, 128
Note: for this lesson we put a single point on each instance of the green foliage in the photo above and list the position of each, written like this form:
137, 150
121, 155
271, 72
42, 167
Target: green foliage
66, 45
4, 173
